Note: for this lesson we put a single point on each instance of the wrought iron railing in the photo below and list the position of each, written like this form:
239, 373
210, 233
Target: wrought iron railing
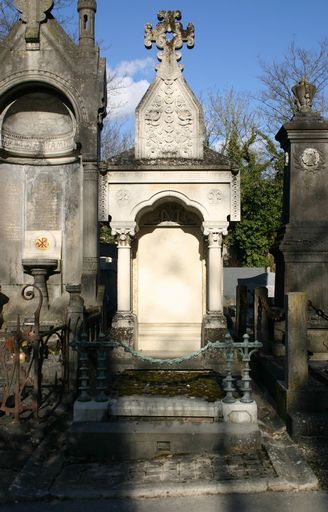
23, 353
98, 352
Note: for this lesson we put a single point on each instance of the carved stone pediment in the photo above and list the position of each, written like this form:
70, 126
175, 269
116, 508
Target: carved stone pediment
169, 117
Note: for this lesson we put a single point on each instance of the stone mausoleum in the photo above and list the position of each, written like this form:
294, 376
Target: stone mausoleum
52, 102
170, 201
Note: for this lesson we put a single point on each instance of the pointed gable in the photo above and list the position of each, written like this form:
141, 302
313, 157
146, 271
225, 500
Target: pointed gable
169, 119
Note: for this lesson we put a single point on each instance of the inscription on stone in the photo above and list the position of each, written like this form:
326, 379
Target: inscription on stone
10, 217
44, 202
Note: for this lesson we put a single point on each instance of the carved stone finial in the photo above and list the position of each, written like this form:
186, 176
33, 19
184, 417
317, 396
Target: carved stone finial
169, 24
33, 12
304, 93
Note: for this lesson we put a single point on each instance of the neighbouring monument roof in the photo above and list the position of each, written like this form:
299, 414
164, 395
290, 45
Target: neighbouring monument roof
127, 159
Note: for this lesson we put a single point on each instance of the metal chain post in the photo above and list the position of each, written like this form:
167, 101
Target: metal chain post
101, 371
228, 381
247, 349
84, 378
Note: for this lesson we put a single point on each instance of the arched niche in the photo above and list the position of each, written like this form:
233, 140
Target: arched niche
169, 284
38, 123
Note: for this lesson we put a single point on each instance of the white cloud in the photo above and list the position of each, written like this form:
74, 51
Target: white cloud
131, 67
125, 90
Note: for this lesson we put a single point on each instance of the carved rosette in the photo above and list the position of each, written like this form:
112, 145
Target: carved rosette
214, 196
309, 159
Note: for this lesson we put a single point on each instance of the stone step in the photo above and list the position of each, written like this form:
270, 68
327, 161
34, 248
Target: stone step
124, 440
159, 406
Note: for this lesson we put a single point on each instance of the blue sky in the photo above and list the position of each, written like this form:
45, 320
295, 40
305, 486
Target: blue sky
230, 39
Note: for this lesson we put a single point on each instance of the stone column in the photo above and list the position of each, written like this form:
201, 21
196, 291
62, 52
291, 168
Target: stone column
123, 240
90, 233
214, 272
124, 322
214, 324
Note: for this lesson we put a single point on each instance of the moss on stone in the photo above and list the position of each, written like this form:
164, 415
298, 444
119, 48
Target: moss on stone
200, 384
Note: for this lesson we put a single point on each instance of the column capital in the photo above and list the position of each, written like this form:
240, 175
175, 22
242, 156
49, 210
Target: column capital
214, 233
123, 234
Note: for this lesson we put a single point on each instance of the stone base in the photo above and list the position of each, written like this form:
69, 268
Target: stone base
90, 411
214, 327
239, 412
124, 328
124, 440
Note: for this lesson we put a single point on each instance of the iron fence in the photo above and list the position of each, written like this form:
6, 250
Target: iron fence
97, 351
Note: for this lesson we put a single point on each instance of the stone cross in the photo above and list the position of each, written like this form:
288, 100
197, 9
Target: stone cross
169, 24
33, 12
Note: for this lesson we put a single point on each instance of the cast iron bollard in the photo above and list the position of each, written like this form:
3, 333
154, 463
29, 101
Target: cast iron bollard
228, 381
84, 380
247, 348
101, 370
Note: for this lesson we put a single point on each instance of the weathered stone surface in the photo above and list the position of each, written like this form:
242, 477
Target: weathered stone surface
239, 412
169, 118
49, 143
296, 368
170, 199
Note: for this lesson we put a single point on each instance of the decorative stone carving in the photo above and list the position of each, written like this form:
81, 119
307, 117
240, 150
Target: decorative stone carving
215, 238
103, 198
214, 196
304, 93
33, 12
235, 198
123, 236
122, 196
42, 244
90, 171
169, 123
169, 118
169, 24
38, 124
309, 159
170, 214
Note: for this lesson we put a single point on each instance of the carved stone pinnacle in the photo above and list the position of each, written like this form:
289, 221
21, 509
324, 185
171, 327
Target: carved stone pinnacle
304, 93
33, 12
169, 24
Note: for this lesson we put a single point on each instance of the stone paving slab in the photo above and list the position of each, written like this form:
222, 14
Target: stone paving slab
276, 467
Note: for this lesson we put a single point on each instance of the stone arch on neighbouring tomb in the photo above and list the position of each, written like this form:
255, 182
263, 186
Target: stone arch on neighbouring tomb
169, 277
38, 123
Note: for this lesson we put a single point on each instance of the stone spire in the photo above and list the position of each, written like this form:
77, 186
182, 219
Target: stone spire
33, 13
87, 11
169, 117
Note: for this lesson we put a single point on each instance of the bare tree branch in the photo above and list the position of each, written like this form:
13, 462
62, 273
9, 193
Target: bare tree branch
278, 78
